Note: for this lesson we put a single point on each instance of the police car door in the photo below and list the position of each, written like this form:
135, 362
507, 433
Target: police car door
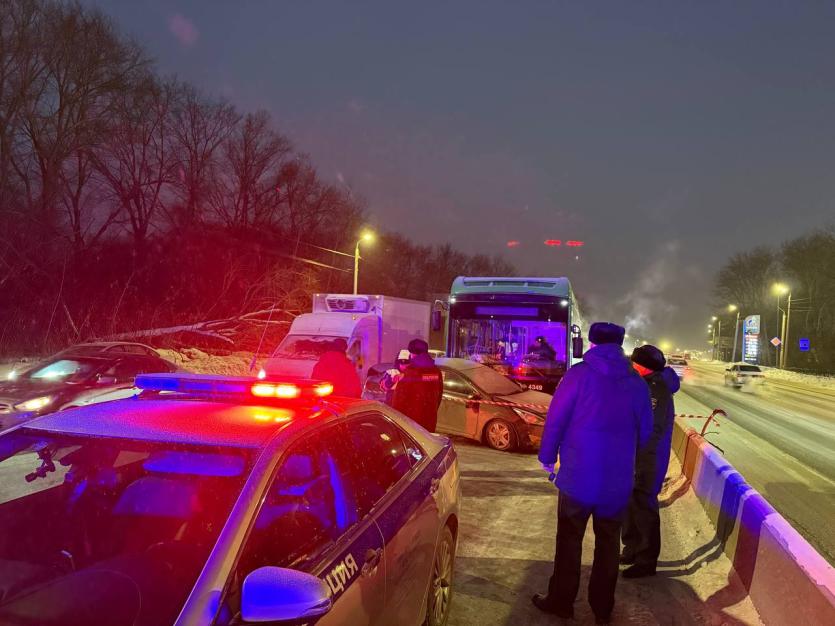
310, 521
398, 490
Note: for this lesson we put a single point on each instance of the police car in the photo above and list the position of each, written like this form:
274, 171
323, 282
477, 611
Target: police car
226, 501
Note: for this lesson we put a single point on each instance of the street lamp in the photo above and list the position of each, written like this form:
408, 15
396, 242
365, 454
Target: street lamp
734, 308
716, 335
782, 289
368, 237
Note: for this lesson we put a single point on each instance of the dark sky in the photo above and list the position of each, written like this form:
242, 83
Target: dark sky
666, 136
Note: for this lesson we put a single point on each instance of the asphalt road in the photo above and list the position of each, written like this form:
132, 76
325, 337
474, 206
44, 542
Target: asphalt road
781, 438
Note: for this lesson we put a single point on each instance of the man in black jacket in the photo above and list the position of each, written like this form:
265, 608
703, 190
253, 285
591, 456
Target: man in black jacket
418, 393
642, 530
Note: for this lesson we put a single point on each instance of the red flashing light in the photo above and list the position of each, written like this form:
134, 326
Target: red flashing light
288, 391
273, 390
574, 244
512, 243
553, 242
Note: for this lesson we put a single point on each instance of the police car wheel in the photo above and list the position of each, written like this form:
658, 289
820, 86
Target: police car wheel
440, 590
499, 435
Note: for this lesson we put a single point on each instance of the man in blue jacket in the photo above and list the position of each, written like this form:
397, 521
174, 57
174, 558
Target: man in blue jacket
601, 413
642, 530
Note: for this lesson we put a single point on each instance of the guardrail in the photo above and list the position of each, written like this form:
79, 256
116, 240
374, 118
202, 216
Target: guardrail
787, 580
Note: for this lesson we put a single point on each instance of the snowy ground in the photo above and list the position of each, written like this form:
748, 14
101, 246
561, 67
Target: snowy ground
771, 373
506, 550
199, 362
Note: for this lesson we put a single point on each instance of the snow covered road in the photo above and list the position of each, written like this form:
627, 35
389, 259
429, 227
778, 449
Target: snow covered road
781, 438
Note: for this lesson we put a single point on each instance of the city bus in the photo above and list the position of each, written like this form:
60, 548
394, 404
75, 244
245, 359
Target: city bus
529, 329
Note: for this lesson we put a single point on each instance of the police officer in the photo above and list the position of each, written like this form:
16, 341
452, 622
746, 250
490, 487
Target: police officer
642, 530
418, 392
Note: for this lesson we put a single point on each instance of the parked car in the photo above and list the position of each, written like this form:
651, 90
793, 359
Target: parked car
225, 501
74, 378
679, 366
466, 409
742, 374
109, 348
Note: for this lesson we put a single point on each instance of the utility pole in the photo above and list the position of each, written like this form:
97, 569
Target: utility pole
786, 322
719, 339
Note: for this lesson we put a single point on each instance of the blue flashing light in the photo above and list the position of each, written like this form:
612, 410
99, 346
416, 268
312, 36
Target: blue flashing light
225, 386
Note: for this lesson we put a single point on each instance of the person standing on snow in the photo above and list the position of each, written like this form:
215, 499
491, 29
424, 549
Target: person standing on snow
642, 530
599, 416
418, 393
335, 367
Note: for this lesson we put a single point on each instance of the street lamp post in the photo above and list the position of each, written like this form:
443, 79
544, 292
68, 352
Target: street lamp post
733, 308
367, 237
781, 289
717, 336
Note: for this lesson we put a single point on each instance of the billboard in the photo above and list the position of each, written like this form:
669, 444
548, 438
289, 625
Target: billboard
751, 339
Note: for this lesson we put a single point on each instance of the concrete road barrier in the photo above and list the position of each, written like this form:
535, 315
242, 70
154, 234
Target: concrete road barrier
789, 582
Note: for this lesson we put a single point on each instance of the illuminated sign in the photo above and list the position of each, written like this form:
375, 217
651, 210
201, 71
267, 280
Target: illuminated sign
751, 339
512, 311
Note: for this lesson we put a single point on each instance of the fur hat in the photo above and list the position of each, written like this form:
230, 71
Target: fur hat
606, 332
650, 357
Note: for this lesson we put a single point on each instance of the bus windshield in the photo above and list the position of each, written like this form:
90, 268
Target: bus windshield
510, 334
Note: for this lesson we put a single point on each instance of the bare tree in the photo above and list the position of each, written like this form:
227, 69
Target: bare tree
136, 159
84, 65
246, 195
199, 127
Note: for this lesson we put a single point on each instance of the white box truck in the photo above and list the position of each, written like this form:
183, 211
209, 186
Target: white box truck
375, 327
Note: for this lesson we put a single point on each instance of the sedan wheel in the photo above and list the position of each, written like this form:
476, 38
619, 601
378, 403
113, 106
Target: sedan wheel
500, 435
440, 593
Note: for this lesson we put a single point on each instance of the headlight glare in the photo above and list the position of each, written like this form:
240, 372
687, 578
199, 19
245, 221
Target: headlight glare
35, 404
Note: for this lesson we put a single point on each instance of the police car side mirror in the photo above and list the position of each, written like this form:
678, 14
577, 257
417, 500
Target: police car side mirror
277, 595
106, 380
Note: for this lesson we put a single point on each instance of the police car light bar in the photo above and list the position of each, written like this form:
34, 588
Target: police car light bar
212, 385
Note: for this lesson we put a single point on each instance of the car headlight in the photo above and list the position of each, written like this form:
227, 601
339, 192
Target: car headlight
35, 404
528, 417
11, 375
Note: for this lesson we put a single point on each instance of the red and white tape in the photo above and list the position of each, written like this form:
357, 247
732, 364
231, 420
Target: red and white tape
519, 405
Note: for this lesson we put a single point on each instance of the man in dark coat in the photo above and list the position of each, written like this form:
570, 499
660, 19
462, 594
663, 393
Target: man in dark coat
543, 349
600, 414
642, 530
418, 393
335, 367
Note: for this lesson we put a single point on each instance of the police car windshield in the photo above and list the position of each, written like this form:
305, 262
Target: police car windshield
491, 382
305, 347
134, 521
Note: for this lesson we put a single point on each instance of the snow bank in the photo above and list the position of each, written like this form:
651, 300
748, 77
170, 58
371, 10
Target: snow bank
199, 362
810, 380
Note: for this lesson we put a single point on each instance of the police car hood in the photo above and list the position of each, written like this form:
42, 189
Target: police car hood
538, 398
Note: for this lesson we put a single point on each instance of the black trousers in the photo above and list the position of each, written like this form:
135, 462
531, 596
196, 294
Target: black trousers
572, 519
642, 530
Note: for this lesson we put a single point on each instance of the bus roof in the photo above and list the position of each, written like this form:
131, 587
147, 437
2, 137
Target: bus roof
559, 287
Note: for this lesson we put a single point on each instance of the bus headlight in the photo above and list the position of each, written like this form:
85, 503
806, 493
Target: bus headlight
529, 418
